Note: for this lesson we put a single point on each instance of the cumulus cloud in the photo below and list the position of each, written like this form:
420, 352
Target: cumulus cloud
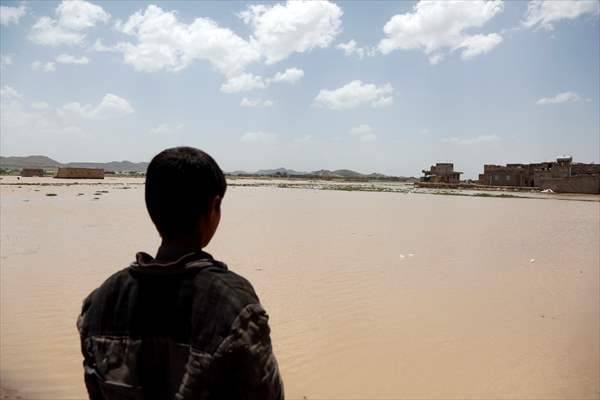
79, 15
364, 133
162, 42
46, 67
101, 48
247, 81
260, 103
355, 94
350, 48
9, 93
258, 137
5, 61
544, 13
111, 106
473, 140
167, 129
69, 59
302, 139
294, 27
12, 15
290, 75
243, 83
564, 97
437, 27
73, 17
39, 105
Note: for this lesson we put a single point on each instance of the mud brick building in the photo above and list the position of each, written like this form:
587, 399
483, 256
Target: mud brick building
561, 175
441, 173
28, 172
80, 173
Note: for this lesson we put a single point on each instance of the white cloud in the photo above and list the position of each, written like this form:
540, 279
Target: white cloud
9, 93
46, 31
439, 26
39, 105
101, 48
11, 15
479, 44
78, 14
73, 17
544, 13
354, 94
564, 97
303, 139
278, 31
69, 59
352, 48
364, 133
255, 103
111, 106
5, 61
46, 67
290, 75
164, 43
166, 129
294, 27
473, 140
258, 137
246, 81
243, 83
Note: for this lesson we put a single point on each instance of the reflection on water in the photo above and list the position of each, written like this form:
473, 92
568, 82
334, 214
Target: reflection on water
371, 295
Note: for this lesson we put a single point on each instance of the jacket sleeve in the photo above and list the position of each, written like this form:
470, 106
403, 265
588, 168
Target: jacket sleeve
91, 380
249, 350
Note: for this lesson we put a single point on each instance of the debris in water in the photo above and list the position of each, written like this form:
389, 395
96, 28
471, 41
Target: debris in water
410, 254
532, 261
51, 194
401, 255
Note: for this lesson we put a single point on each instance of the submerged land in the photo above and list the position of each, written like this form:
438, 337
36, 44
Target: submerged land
375, 289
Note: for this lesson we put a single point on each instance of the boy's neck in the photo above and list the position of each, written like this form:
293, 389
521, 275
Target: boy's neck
174, 250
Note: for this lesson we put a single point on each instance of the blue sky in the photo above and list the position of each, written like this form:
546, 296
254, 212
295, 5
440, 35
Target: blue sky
382, 86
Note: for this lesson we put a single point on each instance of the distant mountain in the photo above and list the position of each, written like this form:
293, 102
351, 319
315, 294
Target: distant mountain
125, 166
278, 171
47, 162
29, 161
338, 173
116, 166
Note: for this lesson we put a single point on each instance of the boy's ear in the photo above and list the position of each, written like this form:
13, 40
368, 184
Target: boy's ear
217, 203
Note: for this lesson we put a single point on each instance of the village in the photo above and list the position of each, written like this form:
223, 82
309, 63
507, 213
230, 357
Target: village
560, 176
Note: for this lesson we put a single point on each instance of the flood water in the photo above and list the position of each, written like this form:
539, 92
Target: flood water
371, 295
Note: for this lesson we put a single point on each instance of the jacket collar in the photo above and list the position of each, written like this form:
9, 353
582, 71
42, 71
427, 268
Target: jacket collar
145, 263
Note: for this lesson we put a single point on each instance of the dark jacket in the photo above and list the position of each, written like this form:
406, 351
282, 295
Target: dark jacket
190, 329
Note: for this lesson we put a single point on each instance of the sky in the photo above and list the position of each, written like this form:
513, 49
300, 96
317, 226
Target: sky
389, 86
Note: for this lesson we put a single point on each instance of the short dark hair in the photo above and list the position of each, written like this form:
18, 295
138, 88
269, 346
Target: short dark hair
180, 185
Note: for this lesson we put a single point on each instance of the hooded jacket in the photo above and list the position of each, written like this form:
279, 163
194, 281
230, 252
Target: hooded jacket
189, 329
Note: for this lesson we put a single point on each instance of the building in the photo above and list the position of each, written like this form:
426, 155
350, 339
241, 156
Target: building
560, 176
80, 173
441, 173
28, 172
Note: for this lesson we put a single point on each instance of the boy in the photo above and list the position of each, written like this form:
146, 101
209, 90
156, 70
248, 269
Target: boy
180, 325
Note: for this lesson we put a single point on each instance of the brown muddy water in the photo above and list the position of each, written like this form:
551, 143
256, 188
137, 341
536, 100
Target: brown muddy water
371, 295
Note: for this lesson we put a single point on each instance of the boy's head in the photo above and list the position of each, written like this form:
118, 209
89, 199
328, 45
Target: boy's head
184, 188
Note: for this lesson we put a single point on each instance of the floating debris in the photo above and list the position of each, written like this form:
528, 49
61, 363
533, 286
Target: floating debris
79, 194
410, 254
96, 198
532, 261
402, 256
51, 194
